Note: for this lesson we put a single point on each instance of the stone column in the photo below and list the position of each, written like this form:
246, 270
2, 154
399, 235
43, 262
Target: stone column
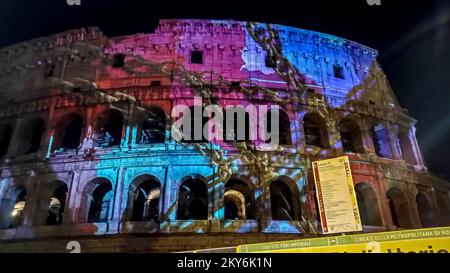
133, 135
89, 135
126, 209
393, 142
310, 206
32, 201
68, 212
7, 205
42, 205
265, 208
334, 136
415, 146
47, 141
301, 142
168, 206
414, 214
366, 135
217, 210
31, 205
385, 211
117, 211
15, 137
130, 128
72, 210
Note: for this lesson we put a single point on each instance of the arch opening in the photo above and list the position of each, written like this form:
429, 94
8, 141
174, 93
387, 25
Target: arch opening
237, 192
380, 139
56, 205
110, 129
367, 205
232, 209
282, 202
351, 137
406, 148
71, 136
153, 128
192, 200
426, 212
315, 131
15, 208
146, 198
100, 201
399, 208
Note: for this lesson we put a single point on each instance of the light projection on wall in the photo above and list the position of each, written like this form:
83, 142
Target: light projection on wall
254, 57
262, 64
262, 43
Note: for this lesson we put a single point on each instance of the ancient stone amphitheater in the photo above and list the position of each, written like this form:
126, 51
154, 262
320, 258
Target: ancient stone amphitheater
87, 153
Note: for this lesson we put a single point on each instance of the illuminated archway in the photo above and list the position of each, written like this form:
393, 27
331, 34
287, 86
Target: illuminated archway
100, 196
57, 204
192, 200
153, 127
12, 207
238, 200
234, 203
381, 141
145, 193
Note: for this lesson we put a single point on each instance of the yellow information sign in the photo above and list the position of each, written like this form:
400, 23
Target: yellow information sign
432, 240
336, 197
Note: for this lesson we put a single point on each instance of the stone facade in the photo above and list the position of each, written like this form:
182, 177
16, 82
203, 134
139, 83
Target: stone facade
87, 150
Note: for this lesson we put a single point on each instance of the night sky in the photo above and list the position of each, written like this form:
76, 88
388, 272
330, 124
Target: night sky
413, 38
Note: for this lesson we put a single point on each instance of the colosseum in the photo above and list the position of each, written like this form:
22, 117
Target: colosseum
87, 152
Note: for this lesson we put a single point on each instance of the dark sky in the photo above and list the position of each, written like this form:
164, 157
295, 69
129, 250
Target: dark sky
413, 38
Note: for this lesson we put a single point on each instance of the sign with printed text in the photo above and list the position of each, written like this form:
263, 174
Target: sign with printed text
336, 197
431, 240
428, 240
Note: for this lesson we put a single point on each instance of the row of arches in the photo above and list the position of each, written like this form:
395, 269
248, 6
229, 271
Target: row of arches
352, 139
144, 203
152, 129
399, 208
69, 132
